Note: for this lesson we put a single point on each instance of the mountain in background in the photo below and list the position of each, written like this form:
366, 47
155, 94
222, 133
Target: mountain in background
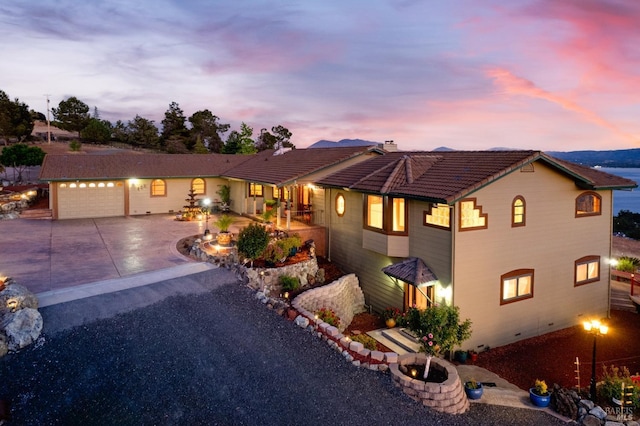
610, 158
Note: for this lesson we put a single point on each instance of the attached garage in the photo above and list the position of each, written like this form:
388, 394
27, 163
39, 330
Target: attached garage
78, 200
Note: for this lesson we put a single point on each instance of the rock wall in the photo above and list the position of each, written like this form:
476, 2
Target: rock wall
344, 296
268, 279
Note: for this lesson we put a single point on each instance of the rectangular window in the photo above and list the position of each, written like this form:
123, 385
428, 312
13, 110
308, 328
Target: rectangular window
374, 211
386, 214
398, 215
516, 285
255, 190
439, 215
281, 194
587, 270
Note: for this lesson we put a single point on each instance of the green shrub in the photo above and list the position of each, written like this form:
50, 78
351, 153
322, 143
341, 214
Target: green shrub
368, 341
438, 328
611, 387
627, 264
273, 253
75, 145
289, 283
329, 316
252, 240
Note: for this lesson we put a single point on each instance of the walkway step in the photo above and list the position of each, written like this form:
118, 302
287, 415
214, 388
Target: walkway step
36, 214
397, 336
68, 294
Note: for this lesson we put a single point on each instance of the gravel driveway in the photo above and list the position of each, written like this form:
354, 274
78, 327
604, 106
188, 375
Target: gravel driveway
217, 356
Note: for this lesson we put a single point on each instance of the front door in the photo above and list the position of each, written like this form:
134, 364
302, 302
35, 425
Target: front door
421, 298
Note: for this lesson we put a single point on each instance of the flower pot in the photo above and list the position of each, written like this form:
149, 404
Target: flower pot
473, 393
473, 356
224, 238
391, 322
539, 400
461, 356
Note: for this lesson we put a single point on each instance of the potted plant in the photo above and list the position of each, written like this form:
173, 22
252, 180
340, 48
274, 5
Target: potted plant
225, 197
473, 389
270, 205
390, 316
223, 223
472, 355
539, 394
460, 356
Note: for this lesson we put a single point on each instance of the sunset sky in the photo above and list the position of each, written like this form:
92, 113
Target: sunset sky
553, 75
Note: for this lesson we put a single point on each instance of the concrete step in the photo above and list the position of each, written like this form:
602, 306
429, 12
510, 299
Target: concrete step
402, 338
36, 214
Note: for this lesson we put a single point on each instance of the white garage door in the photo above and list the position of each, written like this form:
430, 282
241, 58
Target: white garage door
90, 199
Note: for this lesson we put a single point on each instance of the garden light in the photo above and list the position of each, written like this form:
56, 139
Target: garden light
596, 328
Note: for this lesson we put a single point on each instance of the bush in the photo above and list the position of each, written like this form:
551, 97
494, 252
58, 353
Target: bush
611, 387
329, 316
75, 145
273, 253
252, 240
368, 341
289, 283
627, 264
438, 327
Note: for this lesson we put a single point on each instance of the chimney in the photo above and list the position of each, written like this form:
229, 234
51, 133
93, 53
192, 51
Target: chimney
389, 146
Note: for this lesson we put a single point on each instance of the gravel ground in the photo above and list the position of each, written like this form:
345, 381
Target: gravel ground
218, 357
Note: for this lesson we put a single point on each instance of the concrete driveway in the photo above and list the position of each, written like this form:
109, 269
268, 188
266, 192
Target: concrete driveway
46, 255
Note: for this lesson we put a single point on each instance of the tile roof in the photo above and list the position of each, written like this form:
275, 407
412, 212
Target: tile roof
295, 164
447, 176
411, 270
122, 166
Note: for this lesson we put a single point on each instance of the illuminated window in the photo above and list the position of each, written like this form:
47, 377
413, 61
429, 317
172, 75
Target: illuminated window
158, 188
83, 185
255, 190
198, 186
92, 185
340, 207
110, 184
73, 185
374, 211
516, 285
63, 185
587, 270
471, 216
518, 212
281, 194
386, 214
439, 215
101, 185
588, 204
398, 217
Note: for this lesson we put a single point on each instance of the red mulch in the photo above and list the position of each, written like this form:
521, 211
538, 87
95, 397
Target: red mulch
551, 357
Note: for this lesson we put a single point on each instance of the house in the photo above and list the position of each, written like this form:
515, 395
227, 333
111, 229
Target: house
518, 240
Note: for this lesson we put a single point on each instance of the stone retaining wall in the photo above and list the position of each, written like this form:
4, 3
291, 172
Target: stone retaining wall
344, 296
268, 279
447, 397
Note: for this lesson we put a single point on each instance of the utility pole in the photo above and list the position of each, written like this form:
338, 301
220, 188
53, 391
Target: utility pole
48, 122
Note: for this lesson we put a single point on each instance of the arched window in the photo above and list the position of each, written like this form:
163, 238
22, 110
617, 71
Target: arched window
199, 186
340, 205
588, 204
587, 270
158, 188
518, 212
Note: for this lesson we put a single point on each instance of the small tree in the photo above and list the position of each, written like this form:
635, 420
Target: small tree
439, 329
21, 156
253, 240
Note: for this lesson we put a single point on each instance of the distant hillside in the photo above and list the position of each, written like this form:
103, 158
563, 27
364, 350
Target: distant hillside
613, 158
343, 143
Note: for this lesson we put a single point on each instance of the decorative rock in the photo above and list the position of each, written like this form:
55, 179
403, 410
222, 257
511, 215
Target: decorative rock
22, 327
588, 404
590, 420
15, 297
563, 403
4, 347
598, 412
356, 363
302, 321
383, 367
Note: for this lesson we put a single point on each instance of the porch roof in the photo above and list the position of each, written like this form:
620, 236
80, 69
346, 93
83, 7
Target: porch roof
411, 270
293, 165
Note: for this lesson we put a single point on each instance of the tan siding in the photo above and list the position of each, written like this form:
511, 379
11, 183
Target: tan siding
347, 252
550, 243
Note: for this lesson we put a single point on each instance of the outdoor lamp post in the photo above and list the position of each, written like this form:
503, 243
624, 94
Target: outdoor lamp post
207, 203
597, 329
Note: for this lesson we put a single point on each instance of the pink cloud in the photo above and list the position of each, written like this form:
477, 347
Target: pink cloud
514, 85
